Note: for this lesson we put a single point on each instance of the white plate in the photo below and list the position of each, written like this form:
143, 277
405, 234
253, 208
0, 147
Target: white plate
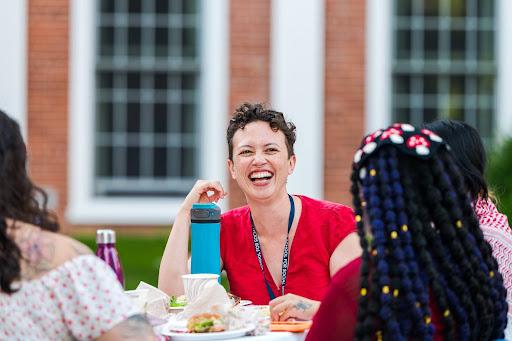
245, 302
229, 334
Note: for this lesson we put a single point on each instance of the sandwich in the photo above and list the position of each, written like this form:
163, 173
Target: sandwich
206, 323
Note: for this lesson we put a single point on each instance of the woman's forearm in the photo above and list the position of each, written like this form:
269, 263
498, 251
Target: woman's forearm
175, 257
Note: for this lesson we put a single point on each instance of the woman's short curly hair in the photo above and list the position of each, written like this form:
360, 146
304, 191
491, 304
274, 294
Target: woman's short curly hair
249, 112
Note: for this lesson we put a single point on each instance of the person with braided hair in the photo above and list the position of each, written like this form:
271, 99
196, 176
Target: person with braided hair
469, 154
426, 271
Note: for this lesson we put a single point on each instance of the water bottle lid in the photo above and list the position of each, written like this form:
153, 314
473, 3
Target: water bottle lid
204, 213
105, 236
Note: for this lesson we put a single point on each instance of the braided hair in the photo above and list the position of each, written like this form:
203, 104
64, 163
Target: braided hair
426, 268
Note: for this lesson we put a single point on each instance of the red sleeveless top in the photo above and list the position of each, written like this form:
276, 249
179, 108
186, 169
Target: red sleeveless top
321, 227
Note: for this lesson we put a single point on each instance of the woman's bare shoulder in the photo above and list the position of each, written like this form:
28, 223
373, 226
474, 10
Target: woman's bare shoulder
43, 251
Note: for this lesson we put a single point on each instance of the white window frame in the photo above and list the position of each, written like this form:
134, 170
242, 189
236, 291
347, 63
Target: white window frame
13, 61
379, 49
83, 206
297, 85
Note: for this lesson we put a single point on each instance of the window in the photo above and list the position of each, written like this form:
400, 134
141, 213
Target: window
444, 63
96, 194
147, 89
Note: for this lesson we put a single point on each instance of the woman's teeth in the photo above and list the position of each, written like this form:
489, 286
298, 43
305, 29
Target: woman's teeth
260, 175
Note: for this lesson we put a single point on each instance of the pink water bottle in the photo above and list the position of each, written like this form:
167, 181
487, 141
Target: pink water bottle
106, 250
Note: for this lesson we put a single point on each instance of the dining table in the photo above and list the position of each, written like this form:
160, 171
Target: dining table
274, 336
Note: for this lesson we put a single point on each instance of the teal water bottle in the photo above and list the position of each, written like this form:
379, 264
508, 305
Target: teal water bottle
205, 238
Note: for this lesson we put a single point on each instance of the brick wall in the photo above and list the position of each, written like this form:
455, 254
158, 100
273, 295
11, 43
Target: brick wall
249, 81
48, 97
249, 62
344, 93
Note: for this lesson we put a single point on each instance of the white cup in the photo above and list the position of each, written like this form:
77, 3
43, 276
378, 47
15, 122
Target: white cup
194, 284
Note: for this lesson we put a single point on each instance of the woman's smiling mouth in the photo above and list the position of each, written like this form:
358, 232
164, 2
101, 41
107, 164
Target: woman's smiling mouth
260, 177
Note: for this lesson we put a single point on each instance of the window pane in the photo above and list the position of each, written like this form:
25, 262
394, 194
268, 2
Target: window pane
162, 6
458, 8
189, 42
147, 67
105, 80
161, 41
431, 8
486, 85
486, 45
105, 117
160, 120
431, 41
188, 118
104, 161
107, 41
106, 6
444, 61
160, 162
458, 39
189, 6
485, 123
133, 117
134, 41
430, 84
457, 85
486, 8
133, 80
187, 162
402, 84
403, 7
132, 162
403, 44
134, 6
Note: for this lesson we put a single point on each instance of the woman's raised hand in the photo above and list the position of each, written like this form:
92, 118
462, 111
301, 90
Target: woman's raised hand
204, 191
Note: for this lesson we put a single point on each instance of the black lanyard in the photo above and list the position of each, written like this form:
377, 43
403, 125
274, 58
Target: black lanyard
284, 266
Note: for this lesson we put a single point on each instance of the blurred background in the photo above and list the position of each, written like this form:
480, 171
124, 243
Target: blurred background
124, 103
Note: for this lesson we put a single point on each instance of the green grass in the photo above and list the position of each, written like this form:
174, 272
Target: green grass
140, 257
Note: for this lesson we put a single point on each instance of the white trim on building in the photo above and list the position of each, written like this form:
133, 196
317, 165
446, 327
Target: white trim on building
83, 206
503, 122
379, 48
297, 85
13, 61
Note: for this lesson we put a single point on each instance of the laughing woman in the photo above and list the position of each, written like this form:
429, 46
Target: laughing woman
314, 238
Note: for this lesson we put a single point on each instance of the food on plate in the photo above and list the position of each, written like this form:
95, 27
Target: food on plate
206, 323
178, 301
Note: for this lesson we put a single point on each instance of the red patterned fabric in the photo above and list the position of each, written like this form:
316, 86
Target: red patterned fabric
322, 226
498, 234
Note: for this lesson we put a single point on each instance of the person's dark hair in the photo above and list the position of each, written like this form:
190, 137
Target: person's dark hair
248, 112
425, 246
17, 199
468, 152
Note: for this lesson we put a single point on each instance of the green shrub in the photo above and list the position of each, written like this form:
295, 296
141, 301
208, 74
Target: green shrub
499, 176
140, 257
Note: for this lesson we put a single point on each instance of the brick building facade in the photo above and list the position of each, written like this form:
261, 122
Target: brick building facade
323, 63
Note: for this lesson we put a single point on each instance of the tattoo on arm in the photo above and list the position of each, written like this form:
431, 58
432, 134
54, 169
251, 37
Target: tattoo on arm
38, 252
302, 305
136, 327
